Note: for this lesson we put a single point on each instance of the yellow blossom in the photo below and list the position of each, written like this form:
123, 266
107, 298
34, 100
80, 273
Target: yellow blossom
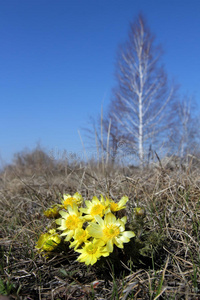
94, 208
139, 211
92, 251
80, 237
70, 200
53, 211
70, 221
48, 241
119, 205
111, 231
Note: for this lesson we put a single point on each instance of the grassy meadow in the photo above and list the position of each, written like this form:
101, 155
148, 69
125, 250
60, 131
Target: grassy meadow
161, 262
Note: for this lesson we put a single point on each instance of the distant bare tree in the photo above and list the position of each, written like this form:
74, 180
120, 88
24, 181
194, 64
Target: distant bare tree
107, 135
117, 137
140, 102
187, 128
184, 111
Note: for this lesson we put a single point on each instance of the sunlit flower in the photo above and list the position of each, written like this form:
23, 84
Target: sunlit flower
53, 211
70, 221
70, 200
111, 231
92, 251
48, 241
119, 205
94, 208
80, 237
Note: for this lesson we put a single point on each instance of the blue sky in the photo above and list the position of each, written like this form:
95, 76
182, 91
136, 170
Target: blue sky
57, 63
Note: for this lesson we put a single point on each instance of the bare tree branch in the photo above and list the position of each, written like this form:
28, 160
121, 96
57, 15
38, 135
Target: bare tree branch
141, 99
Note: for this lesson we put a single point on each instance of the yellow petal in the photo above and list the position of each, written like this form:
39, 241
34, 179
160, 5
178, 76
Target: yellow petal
95, 230
123, 201
110, 218
99, 220
129, 234
109, 246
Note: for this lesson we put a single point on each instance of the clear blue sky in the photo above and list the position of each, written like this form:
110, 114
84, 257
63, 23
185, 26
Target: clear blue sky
57, 62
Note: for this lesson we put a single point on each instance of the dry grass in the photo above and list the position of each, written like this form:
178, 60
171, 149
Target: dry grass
162, 262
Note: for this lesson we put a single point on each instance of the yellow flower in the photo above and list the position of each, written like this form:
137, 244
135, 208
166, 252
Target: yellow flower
70, 200
111, 231
92, 251
94, 208
53, 211
70, 221
80, 237
48, 241
139, 211
120, 205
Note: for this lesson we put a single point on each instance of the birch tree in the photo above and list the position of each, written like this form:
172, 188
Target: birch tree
140, 102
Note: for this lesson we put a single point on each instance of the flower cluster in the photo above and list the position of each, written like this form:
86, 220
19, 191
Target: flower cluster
92, 230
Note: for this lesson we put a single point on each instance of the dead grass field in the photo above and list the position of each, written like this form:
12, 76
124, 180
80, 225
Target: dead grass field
162, 262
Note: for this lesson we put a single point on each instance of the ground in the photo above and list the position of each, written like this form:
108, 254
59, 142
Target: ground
161, 262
